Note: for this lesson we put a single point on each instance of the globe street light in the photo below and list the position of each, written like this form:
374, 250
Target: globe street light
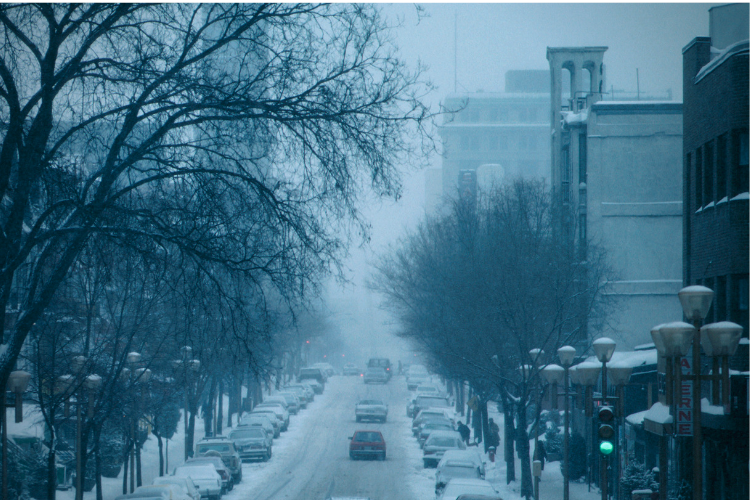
566, 354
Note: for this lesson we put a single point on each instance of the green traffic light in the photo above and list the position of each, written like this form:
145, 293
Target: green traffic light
606, 447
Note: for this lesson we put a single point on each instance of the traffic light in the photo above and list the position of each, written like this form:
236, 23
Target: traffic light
606, 430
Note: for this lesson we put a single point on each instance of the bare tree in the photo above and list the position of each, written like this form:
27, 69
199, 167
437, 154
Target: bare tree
479, 288
254, 126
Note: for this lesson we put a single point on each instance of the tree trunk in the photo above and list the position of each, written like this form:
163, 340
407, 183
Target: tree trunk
98, 462
220, 411
509, 431
527, 489
485, 423
208, 413
191, 429
161, 454
138, 476
125, 467
51, 468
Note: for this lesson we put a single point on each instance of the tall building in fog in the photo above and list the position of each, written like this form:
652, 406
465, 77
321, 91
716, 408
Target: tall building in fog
617, 166
497, 135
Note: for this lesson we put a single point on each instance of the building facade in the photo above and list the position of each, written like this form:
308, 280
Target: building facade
715, 224
498, 135
616, 165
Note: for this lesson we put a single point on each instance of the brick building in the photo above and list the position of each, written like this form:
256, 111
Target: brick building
715, 221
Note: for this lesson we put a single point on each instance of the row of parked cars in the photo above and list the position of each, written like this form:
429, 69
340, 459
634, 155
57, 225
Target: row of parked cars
216, 465
460, 468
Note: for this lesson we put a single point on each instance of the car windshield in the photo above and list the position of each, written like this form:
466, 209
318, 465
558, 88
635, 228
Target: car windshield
370, 402
220, 447
368, 437
247, 433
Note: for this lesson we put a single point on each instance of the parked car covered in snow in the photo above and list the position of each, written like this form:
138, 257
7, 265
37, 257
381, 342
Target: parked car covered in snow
465, 486
224, 448
252, 442
271, 426
187, 485
205, 477
438, 443
227, 482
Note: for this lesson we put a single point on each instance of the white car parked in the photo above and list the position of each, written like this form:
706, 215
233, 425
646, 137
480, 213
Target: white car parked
205, 478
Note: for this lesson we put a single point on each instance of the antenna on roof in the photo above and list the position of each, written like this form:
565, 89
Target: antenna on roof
455, 51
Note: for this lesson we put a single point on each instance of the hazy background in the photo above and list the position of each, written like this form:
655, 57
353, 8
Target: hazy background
490, 40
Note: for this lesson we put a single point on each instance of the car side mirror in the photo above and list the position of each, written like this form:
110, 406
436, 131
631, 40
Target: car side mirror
350, 438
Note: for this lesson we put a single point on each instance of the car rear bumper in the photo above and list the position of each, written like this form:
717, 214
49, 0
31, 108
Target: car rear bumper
254, 453
366, 453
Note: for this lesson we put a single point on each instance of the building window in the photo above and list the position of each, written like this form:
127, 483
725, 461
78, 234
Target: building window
739, 162
582, 236
565, 175
721, 167
582, 158
698, 178
742, 293
721, 298
708, 172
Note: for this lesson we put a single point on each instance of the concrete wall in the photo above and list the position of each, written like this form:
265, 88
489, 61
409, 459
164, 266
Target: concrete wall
634, 210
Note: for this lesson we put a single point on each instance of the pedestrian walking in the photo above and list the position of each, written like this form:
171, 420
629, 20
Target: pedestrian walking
465, 432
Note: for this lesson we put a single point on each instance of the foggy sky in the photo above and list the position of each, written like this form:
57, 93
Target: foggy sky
490, 40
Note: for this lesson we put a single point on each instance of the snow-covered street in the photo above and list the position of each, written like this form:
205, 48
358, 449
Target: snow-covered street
311, 461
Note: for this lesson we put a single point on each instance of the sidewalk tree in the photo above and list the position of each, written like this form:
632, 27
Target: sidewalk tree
481, 286
238, 134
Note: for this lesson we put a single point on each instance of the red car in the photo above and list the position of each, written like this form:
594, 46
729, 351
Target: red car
367, 444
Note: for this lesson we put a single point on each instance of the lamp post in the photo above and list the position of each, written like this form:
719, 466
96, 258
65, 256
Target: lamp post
620, 376
536, 358
719, 341
566, 354
17, 383
696, 301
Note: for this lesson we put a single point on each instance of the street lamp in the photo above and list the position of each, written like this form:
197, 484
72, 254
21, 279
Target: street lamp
566, 354
619, 374
696, 301
536, 358
17, 383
